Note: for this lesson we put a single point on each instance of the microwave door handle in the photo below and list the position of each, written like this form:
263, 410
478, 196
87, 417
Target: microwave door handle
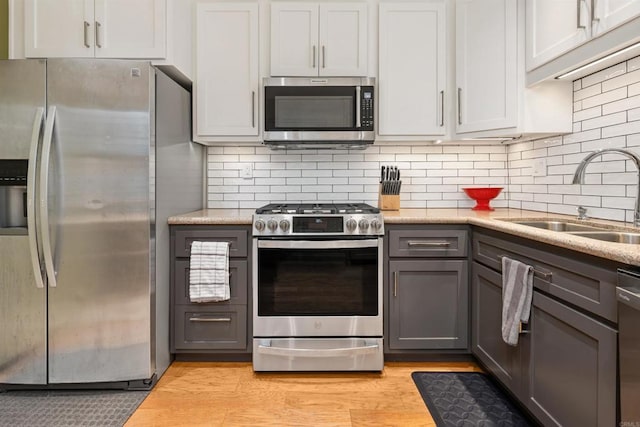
358, 118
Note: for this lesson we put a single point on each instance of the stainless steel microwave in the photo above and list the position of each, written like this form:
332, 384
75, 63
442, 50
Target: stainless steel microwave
303, 112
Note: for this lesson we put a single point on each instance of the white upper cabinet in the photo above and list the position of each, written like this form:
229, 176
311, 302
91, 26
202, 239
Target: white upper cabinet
311, 39
609, 14
412, 73
555, 27
227, 80
95, 28
492, 98
486, 64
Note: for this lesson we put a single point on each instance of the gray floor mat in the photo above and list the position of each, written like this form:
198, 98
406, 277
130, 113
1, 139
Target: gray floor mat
467, 399
68, 408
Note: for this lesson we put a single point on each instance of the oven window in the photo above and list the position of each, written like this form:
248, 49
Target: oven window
318, 282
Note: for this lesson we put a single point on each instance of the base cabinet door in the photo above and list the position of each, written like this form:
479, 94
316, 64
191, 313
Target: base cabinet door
571, 366
501, 359
428, 304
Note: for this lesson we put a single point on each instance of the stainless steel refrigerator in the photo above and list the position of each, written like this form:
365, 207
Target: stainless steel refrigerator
95, 155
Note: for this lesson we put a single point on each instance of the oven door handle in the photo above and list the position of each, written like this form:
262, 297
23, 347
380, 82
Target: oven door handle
314, 352
319, 244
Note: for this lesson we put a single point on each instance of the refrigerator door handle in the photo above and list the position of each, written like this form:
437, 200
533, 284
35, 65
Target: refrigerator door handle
31, 197
44, 195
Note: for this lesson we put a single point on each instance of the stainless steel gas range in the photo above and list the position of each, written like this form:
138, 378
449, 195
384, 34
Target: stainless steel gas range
317, 287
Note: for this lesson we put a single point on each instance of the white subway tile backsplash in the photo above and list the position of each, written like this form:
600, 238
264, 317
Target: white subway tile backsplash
623, 129
603, 75
622, 105
605, 98
602, 121
624, 80
587, 92
633, 114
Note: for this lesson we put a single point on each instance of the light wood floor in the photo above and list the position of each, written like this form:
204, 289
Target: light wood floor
231, 394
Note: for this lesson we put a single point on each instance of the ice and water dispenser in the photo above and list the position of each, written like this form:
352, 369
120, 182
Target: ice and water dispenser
13, 193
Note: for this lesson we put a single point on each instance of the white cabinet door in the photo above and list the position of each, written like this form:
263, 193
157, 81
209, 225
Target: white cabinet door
609, 14
59, 28
308, 39
294, 39
227, 72
412, 68
486, 64
343, 39
103, 29
130, 28
555, 27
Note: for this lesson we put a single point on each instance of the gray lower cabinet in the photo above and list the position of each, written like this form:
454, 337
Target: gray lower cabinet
218, 327
563, 369
503, 360
427, 292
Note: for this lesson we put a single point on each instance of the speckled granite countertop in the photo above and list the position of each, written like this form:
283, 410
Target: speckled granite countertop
621, 252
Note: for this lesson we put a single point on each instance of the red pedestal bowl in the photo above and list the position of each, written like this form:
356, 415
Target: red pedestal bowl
482, 196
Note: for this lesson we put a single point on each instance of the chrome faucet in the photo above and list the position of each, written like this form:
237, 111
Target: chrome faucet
578, 177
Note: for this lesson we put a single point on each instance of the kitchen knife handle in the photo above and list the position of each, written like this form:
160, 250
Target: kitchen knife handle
86, 34
98, 26
31, 198
44, 195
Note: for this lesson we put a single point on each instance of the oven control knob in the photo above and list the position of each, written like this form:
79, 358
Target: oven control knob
284, 225
351, 224
272, 225
363, 224
259, 225
376, 225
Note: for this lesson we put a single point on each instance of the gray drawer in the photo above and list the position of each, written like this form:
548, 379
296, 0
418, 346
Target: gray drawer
572, 277
238, 270
427, 243
238, 240
210, 327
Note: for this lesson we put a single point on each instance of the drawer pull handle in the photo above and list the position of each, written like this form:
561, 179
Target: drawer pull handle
545, 274
412, 243
210, 319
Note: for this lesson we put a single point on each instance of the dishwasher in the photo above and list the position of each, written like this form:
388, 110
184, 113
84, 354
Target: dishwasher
628, 293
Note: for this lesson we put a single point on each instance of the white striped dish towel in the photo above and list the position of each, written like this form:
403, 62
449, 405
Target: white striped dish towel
209, 272
517, 292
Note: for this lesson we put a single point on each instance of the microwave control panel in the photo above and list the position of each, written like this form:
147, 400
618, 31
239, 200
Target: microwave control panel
366, 108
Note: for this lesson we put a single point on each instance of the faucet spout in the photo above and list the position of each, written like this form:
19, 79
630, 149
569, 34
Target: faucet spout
578, 177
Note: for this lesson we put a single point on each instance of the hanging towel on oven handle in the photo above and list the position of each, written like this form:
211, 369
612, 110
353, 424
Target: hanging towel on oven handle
209, 272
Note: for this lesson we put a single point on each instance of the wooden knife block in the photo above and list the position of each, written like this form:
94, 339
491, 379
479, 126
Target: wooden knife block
388, 202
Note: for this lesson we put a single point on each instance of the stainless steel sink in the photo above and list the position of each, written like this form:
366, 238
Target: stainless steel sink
611, 236
583, 230
559, 225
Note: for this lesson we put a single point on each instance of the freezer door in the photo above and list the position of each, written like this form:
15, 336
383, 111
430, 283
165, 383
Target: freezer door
22, 303
97, 183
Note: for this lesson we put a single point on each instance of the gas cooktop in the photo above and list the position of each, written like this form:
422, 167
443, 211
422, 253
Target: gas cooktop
317, 208
320, 219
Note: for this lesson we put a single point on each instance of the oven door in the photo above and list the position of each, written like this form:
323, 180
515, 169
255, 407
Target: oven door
317, 288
